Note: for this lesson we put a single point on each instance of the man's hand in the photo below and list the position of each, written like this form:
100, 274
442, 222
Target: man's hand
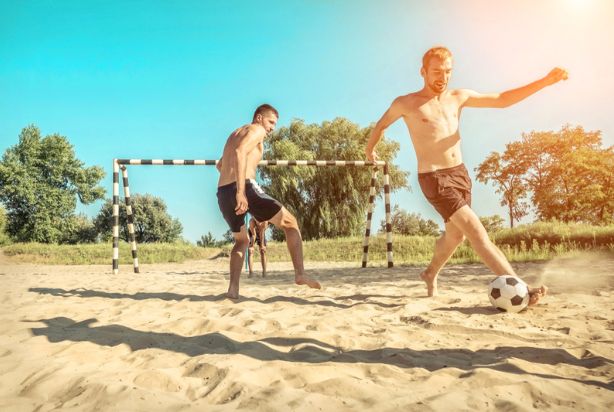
556, 75
371, 155
241, 203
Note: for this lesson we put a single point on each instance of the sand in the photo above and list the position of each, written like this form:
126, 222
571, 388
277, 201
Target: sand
79, 338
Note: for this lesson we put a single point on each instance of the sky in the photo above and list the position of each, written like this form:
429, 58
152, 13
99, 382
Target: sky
171, 80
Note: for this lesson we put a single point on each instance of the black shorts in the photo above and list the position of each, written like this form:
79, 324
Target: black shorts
447, 189
260, 205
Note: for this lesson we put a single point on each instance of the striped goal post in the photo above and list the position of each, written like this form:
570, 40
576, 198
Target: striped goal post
120, 164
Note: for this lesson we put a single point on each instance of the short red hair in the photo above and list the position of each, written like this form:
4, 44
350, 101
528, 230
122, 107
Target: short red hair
440, 51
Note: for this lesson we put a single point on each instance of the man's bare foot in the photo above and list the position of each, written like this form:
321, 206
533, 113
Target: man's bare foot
431, 283
306, 280
250, 274
535, 294
233, 293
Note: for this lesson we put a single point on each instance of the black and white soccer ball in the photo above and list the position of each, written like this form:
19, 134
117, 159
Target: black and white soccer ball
508, 293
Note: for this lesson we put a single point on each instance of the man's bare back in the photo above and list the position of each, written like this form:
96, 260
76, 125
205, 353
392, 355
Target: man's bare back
227, 164
239, 193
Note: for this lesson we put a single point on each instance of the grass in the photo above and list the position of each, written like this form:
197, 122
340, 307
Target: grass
539, 241
101, 253
416, 250
556, 233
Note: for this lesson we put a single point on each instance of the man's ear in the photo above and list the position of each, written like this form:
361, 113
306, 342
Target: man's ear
422, 71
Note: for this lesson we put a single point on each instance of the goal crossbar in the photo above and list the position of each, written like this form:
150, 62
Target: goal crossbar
120, 165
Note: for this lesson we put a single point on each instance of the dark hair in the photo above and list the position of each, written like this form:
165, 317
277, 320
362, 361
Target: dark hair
263, 108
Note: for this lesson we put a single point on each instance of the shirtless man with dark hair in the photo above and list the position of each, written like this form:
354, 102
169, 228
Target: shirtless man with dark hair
238, 193
432, 116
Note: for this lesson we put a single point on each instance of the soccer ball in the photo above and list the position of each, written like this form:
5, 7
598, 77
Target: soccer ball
508, 293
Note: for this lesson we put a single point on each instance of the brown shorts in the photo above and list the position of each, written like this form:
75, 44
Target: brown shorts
447, 189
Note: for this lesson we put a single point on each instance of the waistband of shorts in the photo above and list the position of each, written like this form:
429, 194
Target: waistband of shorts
446, 170
234, 184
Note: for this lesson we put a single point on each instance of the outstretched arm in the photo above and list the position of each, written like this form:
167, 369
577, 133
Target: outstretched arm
510, 97
392, 115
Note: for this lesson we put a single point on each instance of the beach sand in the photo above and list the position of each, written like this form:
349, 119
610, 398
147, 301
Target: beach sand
80, 338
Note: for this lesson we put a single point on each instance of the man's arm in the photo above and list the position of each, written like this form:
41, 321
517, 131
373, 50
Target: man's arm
392, 115
254, 135
510, 97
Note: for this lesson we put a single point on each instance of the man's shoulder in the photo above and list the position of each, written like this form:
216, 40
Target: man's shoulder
250, 128
407, 97
461, 92
256, 128
406, 101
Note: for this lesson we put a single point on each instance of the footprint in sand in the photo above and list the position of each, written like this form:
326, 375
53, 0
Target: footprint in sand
228, 394
156, 380
32, 382
210, 378
229, 311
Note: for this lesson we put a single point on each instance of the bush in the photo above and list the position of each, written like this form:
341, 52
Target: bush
152, 223
4, 237
80, 230
554, 233
492, 223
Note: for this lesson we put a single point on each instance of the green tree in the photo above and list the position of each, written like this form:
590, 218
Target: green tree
207, 241
570, 175
412, 224
327, 201
40, 182
152, 223
507, 173
492, 223
567, 175
80, 229
228, 237
4, 239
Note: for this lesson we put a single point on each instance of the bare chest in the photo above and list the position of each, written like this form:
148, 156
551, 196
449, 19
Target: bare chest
434, 119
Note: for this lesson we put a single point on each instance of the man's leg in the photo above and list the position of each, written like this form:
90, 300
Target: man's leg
237, 256
284, 220
263, 260
469, 223
250, 260
444, 249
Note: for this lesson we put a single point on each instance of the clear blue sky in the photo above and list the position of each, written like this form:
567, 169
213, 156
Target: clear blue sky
161, 79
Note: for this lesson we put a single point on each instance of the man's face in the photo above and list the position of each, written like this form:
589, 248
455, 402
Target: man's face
437, 74
268, 120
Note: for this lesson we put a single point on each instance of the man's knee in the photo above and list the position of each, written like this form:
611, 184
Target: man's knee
478, 236
470, 226
288, 221
454, 237
241, 240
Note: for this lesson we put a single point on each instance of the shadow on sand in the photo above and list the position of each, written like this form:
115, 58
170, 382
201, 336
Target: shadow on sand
61, 329
169, 296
